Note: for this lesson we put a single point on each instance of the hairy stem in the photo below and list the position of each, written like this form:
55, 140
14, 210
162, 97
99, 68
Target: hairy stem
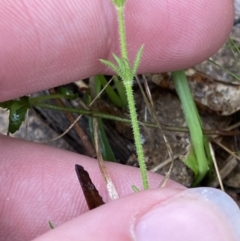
122, 33
127, 78
136, 134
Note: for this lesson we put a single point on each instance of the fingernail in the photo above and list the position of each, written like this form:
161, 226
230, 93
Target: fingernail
194, 214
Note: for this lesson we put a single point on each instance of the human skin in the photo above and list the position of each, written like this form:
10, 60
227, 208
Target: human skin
49, 43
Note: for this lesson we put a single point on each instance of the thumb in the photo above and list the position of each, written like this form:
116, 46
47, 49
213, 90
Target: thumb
163, 214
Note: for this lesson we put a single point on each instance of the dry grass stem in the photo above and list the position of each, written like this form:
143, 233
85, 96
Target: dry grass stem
226, 149
216, 167
112, 191
231, 163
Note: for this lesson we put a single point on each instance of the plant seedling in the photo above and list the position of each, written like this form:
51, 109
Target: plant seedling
127, 72
199, 162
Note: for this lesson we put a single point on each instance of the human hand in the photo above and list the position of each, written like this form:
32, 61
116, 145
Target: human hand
48, 43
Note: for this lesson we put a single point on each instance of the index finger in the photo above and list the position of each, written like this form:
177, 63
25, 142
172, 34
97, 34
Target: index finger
38, 183
49, 43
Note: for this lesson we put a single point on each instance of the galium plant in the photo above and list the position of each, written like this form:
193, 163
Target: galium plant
197, 160
126, 72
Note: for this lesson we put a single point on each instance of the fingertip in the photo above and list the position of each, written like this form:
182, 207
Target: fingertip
193, 214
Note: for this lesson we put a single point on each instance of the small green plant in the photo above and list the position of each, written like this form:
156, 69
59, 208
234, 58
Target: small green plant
127, 72
94, 90
199, 162
117, 95
197, 159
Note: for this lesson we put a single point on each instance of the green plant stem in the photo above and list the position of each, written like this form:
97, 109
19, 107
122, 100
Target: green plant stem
35, 100
121, 91
124, 120
136, 134
127, 75
193, 122
78, 111
122, 33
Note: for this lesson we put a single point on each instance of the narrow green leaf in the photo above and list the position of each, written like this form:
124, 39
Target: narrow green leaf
191, 161
121, 91
137, 60
110, 65
126, 70
193, 122
118, 60
208, 153
33, 101
109, 90
95, 87
124, 67
105, 147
